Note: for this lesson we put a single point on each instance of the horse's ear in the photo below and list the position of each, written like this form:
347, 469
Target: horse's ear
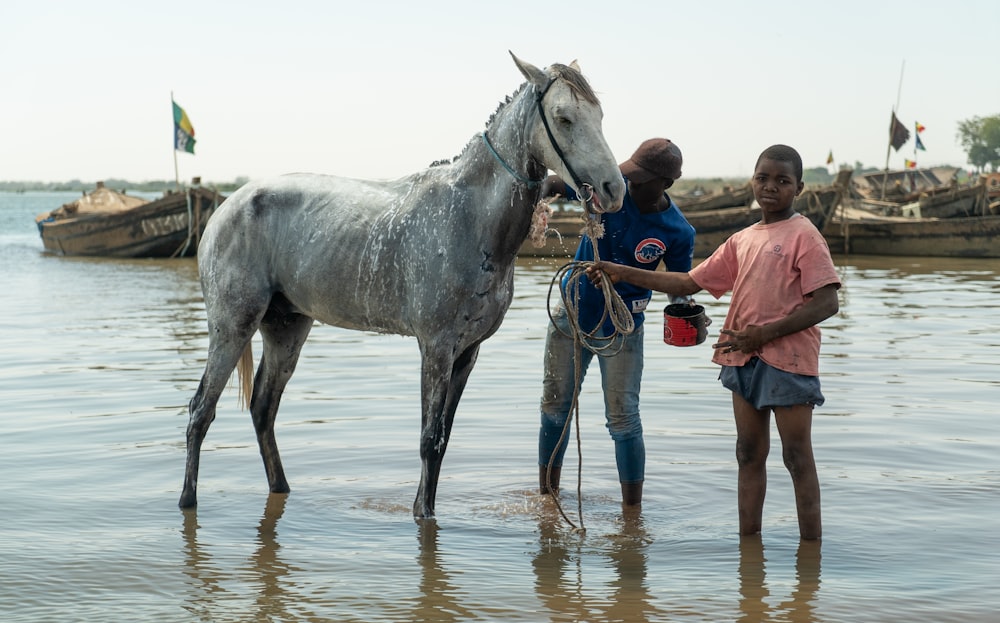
575, 65
534, 75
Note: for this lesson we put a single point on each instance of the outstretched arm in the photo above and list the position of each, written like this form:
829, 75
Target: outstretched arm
822, 304
676, 284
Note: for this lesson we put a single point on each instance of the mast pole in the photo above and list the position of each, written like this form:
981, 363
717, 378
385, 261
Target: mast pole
888, 149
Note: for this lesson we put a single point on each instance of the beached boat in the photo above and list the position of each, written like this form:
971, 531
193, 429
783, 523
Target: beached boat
857, 231
108, 223
940, 202
724, 198
929, 193
712, 226
953, 201
901, 186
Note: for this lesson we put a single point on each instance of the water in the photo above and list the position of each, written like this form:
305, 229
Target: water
98, 359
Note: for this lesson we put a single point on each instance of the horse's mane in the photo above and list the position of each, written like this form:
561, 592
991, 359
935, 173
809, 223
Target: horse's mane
578, 85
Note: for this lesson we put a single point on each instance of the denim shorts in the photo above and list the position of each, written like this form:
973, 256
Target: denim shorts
764, 386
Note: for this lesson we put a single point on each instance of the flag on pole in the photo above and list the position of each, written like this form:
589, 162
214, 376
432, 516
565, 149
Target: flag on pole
829, 158
898, 134
910, 164
183, 130
919, 145
920, 128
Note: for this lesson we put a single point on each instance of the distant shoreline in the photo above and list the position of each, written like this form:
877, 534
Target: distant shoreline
816, 176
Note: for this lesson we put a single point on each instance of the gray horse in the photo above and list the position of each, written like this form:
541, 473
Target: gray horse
430, 255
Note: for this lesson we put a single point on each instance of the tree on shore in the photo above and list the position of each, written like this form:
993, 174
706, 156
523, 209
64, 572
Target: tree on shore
980, 137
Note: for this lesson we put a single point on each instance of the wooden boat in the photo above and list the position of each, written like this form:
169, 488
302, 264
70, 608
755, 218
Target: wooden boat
725, 198
941, 202
112, 224
901, 186
929, 193
954, 201
712, 226
857, 231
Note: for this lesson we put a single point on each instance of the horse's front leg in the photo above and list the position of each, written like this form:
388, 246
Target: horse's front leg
442, 382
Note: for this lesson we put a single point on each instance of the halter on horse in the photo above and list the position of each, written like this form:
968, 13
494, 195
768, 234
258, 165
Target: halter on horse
430, 255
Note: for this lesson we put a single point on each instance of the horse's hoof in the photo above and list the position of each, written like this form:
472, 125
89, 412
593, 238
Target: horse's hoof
188, 500
422, 512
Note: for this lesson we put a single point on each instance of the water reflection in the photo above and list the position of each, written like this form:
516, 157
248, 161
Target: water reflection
269, 569
755, 602
206, 579
563, 589
436, 600
267, 572
631, 599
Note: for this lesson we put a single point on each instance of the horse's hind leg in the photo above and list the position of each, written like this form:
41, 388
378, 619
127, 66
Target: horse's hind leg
283, 332
441, 387
222, 358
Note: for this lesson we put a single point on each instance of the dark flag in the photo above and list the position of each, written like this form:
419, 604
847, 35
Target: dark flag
898, 134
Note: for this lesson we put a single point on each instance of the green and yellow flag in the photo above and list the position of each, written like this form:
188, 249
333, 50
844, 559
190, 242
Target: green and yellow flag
183, 130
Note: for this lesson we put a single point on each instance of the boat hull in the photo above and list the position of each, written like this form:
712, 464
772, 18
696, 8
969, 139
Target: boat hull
168, 227
974, 236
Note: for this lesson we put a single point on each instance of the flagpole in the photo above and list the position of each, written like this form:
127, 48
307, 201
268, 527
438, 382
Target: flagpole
177, 177
888, 149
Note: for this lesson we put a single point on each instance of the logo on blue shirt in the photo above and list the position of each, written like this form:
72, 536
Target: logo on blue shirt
649, 250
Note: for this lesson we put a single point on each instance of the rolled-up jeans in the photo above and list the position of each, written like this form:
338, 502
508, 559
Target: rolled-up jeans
621, 375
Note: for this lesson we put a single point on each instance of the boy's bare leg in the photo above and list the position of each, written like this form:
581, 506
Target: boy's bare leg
795, 428
753, 442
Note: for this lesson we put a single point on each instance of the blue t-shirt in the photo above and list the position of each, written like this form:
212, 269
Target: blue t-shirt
634, 239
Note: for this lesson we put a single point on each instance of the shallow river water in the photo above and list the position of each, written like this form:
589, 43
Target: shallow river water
98, 359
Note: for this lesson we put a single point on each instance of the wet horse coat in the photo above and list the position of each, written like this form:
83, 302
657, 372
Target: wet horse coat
430, 255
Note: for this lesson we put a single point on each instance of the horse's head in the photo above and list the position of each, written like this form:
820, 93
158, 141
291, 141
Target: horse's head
568, 138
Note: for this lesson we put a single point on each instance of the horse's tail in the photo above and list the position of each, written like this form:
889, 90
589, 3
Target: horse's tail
244, 371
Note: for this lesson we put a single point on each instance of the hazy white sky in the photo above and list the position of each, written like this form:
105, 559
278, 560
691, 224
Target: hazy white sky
378, 89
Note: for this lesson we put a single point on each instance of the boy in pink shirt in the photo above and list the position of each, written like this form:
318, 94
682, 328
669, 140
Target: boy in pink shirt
783, 285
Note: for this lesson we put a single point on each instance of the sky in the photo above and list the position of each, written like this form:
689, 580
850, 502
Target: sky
380, 89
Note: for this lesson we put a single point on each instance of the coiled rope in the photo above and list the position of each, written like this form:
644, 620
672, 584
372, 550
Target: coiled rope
621, 318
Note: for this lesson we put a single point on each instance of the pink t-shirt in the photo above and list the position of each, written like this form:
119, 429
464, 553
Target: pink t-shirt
770, 270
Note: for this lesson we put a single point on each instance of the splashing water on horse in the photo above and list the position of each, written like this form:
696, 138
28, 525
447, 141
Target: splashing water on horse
430, 255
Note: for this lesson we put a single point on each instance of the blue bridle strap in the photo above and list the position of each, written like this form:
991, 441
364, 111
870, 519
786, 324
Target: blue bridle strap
524, 180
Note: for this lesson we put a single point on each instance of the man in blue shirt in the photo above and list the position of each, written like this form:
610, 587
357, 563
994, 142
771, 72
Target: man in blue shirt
648, 230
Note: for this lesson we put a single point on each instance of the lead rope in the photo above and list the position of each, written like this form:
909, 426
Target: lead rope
621, 320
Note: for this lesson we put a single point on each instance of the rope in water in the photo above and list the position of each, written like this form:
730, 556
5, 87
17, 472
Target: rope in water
621, 318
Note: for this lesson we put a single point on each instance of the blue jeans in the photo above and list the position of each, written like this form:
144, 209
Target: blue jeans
621, 375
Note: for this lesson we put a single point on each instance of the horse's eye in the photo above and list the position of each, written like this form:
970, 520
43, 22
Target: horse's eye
565, 121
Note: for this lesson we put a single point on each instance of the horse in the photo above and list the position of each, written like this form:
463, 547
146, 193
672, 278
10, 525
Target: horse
430, 255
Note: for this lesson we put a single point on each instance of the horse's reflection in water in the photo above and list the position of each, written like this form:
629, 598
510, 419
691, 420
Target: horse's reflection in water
265, 566
436, 601
754, 591
205, 579
564, 589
